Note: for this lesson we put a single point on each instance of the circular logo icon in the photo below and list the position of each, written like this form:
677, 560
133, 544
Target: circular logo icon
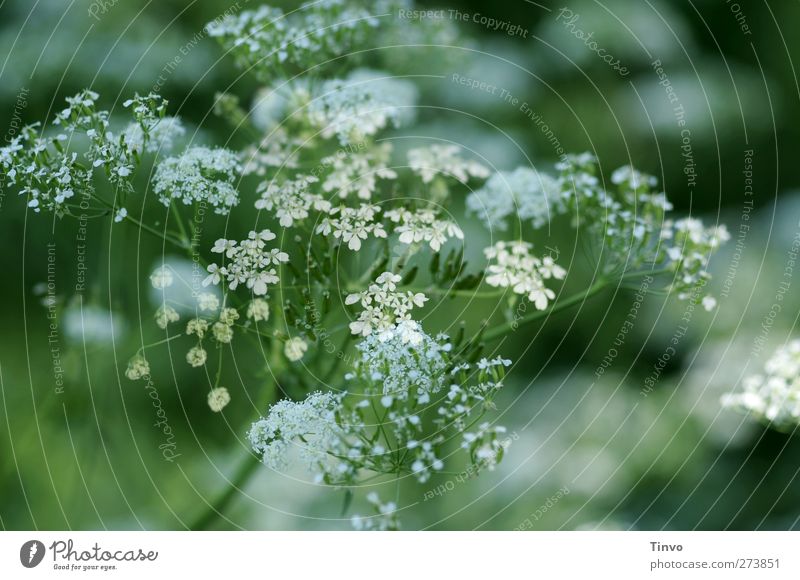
31, 553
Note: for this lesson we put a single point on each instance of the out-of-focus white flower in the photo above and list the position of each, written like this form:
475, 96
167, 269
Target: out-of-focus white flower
358, 172
258, 309
218, 399
138, 368
295, 348
196, 356
444, 160
774, 397
162, 277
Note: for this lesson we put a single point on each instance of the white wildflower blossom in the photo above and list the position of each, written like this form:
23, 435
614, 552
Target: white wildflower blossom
165, 315
249, 263
218, 399
120, 215
524, 193
277, 149
258, 310
222, 332
511, 265
361, 105
384, 308
199, 174
444, 160
309, 426
358, 172
384, 519
196, 356
162, 277
208, 302
291, 201
352, 225
197, 327
295, 348
773, 397
159, 138
138, 368
423, 226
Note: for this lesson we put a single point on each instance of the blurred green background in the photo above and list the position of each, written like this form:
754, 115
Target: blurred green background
88, 457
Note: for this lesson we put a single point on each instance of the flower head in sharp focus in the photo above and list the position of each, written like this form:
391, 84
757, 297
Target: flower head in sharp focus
385, 307
444, 160
773, 397
423, 226
512, 265
352, 225
248, 262
199, 174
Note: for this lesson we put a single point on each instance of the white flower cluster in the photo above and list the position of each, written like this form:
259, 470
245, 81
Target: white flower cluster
158, 137
523, 193
358, 172
690, 245
774, 397
268, 41
352, 224
423, 226
383, 520
444, 160
397, 390
401, 365
249, 263
385, 307
48, 174
199, 174
276, 150
361, 105
291, 200
310, 427
511, 265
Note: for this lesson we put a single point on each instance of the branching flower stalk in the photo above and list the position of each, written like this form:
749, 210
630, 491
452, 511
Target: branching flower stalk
390, 399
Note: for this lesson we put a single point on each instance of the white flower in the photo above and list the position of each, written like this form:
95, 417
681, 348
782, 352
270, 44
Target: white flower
197, 326
258, 309
428, 162
352, 225
524, 193
511, 265
165, 315
121, 214
207, 301
249, 263
384, 307
295, 348
138, 368
162, 277
709, 303
222, 332
423, 226
199, 174
196, 356
361, 105
358, 172
160, 137
291, 201
218, 399
773, 398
